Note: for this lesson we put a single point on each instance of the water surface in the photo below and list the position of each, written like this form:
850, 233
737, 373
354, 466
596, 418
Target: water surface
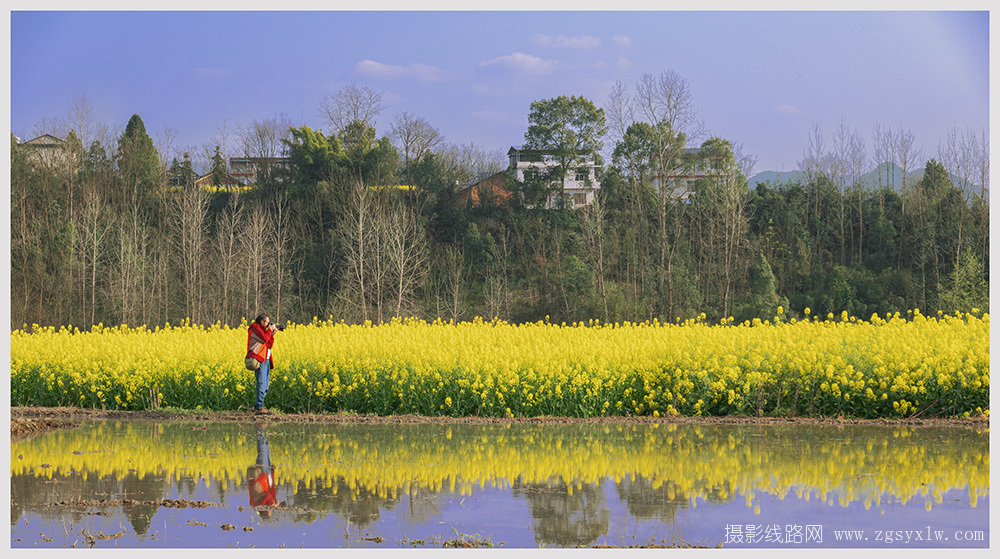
187, 484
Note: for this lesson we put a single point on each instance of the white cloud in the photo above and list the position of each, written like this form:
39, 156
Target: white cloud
622, 40
521, 62
418, 71
562, 41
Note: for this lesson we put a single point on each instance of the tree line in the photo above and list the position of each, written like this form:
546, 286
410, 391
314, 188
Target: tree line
361, 227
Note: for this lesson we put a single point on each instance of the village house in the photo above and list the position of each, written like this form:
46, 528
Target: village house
682, 177
246, 169
48, 150
581, 184
491, 187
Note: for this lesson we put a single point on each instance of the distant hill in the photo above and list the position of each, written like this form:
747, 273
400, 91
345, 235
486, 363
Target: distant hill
776, 177
890, 174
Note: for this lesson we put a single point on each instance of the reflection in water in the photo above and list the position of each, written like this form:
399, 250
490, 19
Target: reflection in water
565, 482
260, 476
646, 502
563, 515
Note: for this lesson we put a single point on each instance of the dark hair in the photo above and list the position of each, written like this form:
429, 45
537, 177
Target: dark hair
261, 317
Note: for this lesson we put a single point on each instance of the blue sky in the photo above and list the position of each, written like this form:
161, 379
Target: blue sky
762, 79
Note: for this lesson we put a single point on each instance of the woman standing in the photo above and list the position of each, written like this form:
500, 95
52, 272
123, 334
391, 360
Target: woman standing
260, 340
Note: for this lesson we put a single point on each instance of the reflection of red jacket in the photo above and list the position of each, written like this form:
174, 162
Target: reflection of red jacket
262, 490
260, 335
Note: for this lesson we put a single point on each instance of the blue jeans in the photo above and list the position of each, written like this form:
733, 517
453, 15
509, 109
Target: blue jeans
263, 450
263, 379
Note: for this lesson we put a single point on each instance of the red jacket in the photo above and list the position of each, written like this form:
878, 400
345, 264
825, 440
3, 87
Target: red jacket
262, 489
266, 340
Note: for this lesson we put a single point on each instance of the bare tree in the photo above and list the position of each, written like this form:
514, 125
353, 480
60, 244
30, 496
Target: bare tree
254, 241
736, 196
620, 112
159, 277
981, 166
884, 159
981, 163
128, 269
882, 156
667, 99
965, 155
406, 252
814, 164
454, 274
229, 228
189, 210
666, 103
592, 229
83, 118
279, 238
498, 294
23, 232
164, 142
469, 162
353, 102
847, 165
857, 161
55, 126
413, 137
221, 139
262, 142
907, 155
93, 231
359, 247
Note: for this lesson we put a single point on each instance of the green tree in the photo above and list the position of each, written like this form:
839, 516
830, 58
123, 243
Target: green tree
218, 170
934, 218
571, 128
379, 164
313, 157
763, 300
137, 160
181, 173
414, 137
357, 139
445, 219
966, 287
720, 203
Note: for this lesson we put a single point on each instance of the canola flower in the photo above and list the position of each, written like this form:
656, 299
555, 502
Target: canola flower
874, 466
886, 367
212, 189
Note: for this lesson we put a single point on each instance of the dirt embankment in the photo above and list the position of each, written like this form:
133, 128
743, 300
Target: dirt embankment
25, 420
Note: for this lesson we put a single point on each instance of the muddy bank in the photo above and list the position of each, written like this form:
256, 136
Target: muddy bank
30, 419
26, 426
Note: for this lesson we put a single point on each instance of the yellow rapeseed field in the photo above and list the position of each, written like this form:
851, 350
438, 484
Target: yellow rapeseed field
893, 366
876, 466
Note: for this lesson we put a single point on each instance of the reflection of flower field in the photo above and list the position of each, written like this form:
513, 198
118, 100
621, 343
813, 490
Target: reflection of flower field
891, 367
870, 465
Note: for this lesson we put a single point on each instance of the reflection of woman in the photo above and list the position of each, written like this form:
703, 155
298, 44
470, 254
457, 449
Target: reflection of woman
260, 476
260, 340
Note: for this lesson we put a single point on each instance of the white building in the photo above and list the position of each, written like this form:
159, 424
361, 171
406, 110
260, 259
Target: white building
582, 180
246, 169
696, 166
48, 151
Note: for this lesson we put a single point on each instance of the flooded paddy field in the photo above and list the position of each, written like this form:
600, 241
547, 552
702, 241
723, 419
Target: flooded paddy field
113, 483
